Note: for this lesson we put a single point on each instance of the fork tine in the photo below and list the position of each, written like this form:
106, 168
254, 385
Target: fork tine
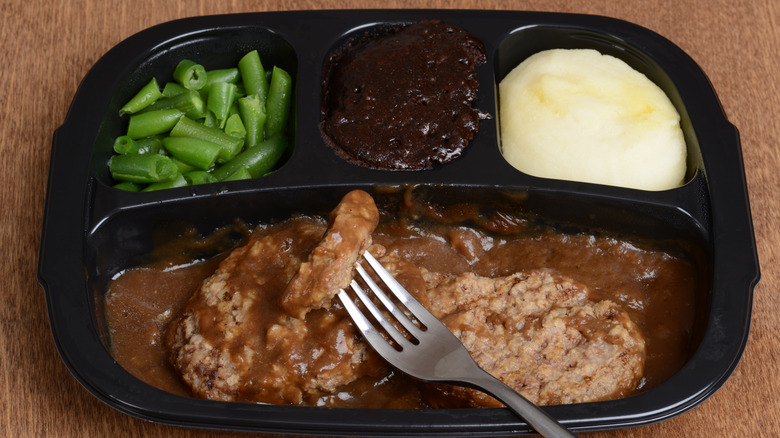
418, 310
372, 335
399, 315
377, 314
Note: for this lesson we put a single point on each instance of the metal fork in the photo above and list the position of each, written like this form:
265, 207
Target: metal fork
433, 354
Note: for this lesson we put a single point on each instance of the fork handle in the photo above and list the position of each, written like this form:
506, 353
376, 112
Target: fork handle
538, 418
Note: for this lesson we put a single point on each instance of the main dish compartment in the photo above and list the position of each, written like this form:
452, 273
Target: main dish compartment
92, 232
130, 237
664, 295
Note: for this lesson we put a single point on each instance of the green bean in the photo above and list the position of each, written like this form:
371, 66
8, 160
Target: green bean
149, 145
253, 75
144, 168
152, 123
172, 89
190, 74
210, 120
231, 75
177, 181
182, 166
240, 91
253, 115
235, 127
239, 174
230, 146
126, 145
196, 177
278, 103
234, 107
258, 160
194, 151
128, 186
221, 96
189, 102
147, 96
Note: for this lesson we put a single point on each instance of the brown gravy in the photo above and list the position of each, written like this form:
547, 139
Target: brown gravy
402, 100
656, 288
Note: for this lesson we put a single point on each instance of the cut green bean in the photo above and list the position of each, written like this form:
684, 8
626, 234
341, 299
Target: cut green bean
128, 186
231, 75
172, 89
240, 91
177, 181
147, 96
230, 146
194, 151
253, 75
199, 177
145, 168
190, 74
221, 97
149, 145
235, 126
241, 173
189, 102
210, 120
258, 160
152, 123
182, 166
124, 144
253, 115
234, 107
278, 103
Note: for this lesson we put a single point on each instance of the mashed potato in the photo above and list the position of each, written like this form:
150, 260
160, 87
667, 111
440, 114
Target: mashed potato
582, 116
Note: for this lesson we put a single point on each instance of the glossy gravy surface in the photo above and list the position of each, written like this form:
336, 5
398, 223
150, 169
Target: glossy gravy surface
656, 288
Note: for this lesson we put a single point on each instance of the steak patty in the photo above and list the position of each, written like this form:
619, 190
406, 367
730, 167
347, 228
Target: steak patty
541, 335
265, 327
259, 329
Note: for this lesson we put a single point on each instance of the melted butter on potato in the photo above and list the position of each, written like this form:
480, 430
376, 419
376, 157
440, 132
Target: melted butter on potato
582, 116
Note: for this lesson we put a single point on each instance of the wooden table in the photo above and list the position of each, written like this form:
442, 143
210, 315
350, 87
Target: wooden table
47, 48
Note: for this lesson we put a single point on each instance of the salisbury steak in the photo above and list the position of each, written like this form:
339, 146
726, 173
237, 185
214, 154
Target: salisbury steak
541, 335
265, 326
249, 334
329, 267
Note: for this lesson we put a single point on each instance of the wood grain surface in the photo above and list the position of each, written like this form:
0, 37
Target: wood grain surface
48, 46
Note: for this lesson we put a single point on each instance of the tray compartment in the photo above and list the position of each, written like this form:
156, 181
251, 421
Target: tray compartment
214, 49
523, 42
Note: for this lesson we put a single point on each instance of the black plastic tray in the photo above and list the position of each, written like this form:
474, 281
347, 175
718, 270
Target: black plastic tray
92, 231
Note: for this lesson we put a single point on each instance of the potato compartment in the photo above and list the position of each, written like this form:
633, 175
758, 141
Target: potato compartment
523, 42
